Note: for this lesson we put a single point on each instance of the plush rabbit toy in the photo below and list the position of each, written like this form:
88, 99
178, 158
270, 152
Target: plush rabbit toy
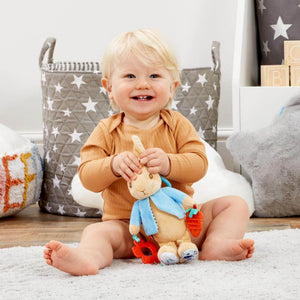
161, 212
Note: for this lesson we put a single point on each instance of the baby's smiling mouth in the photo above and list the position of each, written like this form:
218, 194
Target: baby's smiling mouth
142, 98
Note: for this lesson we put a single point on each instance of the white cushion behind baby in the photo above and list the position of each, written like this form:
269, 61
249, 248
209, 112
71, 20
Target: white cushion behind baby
217, 182
85, 197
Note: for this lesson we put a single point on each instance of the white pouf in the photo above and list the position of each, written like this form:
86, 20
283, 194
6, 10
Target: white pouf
21, 172
219, 182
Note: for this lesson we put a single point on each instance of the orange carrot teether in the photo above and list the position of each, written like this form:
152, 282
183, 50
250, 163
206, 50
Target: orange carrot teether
194, 219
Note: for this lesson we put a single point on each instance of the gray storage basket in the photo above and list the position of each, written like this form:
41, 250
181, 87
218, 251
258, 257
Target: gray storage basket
198, 97
73, 103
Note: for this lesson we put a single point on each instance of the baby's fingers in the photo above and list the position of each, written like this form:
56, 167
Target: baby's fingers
129, 166
127, 174
154, 170
154, 166
133, 163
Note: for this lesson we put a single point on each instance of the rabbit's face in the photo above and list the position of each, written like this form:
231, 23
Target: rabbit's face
145, 185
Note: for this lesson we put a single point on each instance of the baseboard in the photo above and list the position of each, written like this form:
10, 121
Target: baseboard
37, 136
223, 134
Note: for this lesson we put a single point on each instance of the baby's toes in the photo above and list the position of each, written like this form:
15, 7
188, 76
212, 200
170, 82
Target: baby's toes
251, 250
47, 257
53, 245
47, 253
49, 262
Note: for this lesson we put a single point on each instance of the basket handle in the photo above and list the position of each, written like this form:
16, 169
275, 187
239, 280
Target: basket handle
215, 53
49, 44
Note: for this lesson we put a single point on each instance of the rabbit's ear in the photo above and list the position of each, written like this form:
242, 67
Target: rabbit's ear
138, 147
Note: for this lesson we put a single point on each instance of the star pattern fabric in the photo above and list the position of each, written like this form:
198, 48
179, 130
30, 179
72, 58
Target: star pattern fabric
280, 29
90, 105
74, 101
198, 100
75, 136
277, 22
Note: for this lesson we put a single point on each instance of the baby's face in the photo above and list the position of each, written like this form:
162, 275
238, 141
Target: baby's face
140, 91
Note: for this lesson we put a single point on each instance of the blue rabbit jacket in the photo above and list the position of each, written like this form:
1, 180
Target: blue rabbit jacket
166, 199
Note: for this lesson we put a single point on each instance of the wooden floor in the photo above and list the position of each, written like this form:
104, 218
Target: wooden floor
33, 227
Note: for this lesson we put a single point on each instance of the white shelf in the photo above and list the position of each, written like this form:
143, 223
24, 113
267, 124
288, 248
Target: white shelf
245, 67
259, 106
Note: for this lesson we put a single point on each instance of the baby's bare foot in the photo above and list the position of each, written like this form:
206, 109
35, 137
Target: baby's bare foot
227, 249
69, 260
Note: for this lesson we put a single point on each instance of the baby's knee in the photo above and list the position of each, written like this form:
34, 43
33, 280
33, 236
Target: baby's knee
238, 206
239, 203
92, 228
111, 228
232, 202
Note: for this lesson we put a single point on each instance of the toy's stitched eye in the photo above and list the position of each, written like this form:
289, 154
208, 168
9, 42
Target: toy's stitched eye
150, 175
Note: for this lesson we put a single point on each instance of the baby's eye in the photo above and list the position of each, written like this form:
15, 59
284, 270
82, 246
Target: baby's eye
150, 175
154, 76
130, 76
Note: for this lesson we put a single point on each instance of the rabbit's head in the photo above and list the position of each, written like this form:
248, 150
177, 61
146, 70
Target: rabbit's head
146, 184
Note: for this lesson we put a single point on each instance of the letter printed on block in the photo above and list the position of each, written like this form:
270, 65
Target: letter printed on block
295, 75
291, 53
274, 75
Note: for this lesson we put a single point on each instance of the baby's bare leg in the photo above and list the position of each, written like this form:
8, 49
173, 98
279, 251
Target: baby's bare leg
100, 243
224, 224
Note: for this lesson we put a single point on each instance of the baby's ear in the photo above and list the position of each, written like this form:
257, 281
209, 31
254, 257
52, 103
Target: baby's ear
138, 147
107, 85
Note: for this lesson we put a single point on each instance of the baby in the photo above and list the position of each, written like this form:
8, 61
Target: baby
140, 74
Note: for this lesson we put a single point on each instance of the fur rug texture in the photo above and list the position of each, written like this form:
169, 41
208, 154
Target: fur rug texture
272, 273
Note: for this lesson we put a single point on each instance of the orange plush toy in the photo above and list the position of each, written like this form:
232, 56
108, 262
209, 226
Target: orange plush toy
162, 214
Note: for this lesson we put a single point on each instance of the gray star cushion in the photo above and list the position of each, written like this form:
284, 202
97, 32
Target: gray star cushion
73, 103
277, 20
270, 156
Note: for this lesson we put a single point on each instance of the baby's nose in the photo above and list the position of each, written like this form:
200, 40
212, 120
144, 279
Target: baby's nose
142, 83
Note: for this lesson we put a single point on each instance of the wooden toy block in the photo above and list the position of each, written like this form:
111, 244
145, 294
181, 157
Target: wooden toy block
295, 75
291, 53
274, 75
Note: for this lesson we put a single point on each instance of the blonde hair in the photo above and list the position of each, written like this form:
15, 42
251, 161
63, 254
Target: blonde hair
145, 44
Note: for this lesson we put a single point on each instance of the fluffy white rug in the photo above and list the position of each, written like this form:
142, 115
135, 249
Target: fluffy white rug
272, 273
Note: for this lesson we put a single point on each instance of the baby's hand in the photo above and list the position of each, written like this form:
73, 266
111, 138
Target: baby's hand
156, 160
126, 164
